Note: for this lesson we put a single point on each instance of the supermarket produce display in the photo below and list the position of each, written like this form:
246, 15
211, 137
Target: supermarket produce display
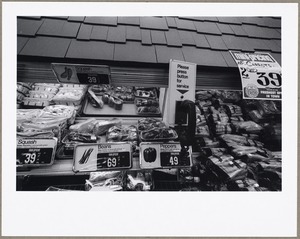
237, 144
165, 103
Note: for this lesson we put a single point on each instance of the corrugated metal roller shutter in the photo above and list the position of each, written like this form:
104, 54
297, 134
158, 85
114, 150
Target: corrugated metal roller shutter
208, 78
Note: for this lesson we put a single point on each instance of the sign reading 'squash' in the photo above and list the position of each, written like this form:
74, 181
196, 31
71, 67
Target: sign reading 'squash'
260, 75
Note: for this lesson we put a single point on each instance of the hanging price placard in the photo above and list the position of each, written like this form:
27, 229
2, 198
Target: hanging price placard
35, 152
164, 155
260, 75
81, 74
102, 156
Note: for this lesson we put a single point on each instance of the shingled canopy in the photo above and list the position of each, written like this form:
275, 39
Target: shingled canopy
139, 48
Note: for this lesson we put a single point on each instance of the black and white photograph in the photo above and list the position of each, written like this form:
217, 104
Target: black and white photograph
129, 108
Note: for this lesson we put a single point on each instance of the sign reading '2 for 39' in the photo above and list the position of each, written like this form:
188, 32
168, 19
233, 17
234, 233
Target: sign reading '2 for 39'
260, 75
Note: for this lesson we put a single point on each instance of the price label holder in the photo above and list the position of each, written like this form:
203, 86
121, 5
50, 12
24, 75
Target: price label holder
163, 155
35, 152
260, 75
102, 156
81, 74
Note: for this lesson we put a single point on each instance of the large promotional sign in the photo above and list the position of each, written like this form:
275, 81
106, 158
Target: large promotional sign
102, 156
81, 74
182, 86
260, 75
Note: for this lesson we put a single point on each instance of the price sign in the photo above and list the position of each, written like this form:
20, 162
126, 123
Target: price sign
260, 75
81, 74
35, 152
102, 156
164, 155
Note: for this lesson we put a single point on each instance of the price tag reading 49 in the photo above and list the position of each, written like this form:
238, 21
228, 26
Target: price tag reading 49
35, 152
103, 156
260, 75
164, 155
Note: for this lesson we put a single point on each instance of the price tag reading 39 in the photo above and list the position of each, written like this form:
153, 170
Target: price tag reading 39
35, 152
164, 155
260, 75
103, 156
81, 74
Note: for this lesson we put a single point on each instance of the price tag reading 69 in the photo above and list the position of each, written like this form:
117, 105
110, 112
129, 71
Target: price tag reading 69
102, 156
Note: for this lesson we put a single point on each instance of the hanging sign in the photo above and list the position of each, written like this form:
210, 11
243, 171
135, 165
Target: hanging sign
163, 155
102, 156
260, 75
33, 152
81, 74
182, 86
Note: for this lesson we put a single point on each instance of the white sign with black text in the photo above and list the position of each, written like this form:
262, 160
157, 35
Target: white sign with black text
182, 86
260, 75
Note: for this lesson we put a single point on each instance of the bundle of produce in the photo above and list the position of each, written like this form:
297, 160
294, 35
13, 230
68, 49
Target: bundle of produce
221, 128
100, 89
94, 99
227, 168
97, 127
122, 133
40, 96
105, 181
200, 120
218, 118
39, 126
146, 110
27, 114
251, 153
215, 151
146, 93
59, 112
271, 136
102, 126
203, 95
236, 118
158, 134
247, 184
202, 131
139, 181
267, 174
230, 140
22, 90
255, 116
146, 102
231, 96
233, 110
69, 96
249, 127
267, 108
150, 123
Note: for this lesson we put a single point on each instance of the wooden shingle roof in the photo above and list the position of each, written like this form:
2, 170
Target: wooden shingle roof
202, 40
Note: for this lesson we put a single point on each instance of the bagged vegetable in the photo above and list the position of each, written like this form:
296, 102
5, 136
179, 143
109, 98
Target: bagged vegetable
247, 126
102, 126
86, 126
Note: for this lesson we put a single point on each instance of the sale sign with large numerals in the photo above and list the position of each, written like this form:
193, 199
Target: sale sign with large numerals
164, 155
102, 156
81, 74
260, 75
35, 152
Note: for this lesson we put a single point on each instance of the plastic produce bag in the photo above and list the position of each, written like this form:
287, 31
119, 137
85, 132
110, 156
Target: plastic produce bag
228, 168
102, 126
247, 126
105, 181
86, 126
